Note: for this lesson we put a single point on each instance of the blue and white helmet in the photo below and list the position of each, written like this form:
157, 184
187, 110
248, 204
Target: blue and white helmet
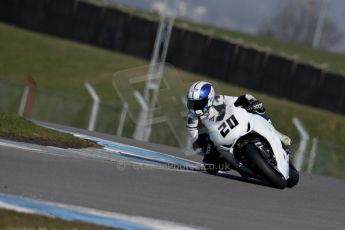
200, 97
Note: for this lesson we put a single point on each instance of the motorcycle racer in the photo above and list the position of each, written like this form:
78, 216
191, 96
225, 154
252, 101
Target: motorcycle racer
205, 108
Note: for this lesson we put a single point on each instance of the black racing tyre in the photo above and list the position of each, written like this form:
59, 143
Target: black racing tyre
272, 176
293, 176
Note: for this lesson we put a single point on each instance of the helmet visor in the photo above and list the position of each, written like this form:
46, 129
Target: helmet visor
197, 104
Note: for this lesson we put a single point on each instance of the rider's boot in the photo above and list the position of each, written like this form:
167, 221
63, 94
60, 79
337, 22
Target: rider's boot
284, 139
213, 160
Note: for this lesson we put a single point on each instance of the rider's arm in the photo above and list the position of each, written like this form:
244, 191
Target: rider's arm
197, 135
250, 103
192, 127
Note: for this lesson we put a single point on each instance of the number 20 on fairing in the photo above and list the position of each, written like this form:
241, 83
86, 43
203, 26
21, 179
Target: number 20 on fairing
227, 125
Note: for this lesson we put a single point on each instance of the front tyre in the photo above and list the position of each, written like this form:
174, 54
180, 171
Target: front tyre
293, 176
271, 175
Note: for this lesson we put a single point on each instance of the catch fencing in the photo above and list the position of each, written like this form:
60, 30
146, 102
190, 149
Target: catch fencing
326, 159
75, 111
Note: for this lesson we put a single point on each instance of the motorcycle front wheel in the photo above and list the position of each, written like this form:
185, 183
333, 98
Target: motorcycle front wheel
261, 165
293, 176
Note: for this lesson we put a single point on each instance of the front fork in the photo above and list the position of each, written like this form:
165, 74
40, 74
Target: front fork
240, 161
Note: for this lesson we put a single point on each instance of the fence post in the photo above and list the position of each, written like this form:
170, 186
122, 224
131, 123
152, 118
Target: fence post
23, 101
139, 133
95, 106
28, 98
312, 155
299, 157
122, 119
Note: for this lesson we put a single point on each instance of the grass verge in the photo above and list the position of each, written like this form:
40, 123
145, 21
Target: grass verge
20, 129
10, 220
62, 66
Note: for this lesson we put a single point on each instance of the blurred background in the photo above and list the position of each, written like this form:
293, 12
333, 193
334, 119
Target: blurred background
89, 64
289, 20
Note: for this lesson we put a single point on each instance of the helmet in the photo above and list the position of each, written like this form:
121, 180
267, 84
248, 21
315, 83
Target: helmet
200, 97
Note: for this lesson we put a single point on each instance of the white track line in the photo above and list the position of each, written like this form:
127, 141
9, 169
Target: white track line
5, 144
4, 205
47, 208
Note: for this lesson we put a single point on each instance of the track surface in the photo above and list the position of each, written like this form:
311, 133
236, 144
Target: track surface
216, 202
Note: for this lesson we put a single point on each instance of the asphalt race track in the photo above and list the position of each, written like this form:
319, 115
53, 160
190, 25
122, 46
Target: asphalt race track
189, 197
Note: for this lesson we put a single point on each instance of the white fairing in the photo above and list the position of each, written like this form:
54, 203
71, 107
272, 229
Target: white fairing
236, 123
265, 129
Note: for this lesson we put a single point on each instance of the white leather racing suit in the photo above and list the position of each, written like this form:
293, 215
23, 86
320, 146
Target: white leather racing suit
216, 113
197, 125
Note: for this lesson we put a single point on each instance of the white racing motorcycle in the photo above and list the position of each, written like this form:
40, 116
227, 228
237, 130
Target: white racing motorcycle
249, 143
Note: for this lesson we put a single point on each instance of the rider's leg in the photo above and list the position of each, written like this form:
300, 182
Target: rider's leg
216, 160
212, 158
283, 138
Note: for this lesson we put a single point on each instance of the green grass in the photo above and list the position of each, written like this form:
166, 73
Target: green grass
60, 68
17, 128
10, 220
56, 64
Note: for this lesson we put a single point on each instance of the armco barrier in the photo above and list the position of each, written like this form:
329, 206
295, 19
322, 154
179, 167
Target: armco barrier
190, 50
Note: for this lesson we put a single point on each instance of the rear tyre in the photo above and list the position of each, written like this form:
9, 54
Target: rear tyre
293, 176
271, 175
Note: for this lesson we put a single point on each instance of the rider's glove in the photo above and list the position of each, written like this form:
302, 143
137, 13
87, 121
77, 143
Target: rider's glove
255, 106
205, 143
